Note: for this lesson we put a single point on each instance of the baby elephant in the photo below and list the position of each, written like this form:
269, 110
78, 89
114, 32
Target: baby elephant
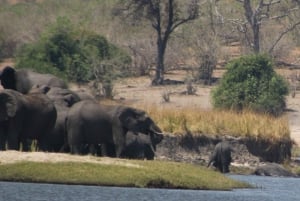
221, 157
141, 146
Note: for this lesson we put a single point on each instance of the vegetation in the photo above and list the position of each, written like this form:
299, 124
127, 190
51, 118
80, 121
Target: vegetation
223, 22
89, 21
220, 122
135, 174
74, 54
258, 12
165, 17
251, 83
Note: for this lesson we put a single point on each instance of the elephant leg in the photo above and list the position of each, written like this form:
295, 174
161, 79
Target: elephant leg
92, 149
26, 144
108, 149
2, 145
2, 142
76, 149
65, 148
149, 152
95, 149
225, 165
13, 143
225, 168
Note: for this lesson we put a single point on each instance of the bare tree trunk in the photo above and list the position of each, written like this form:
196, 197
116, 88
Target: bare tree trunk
256, 38
252, 18
160, 68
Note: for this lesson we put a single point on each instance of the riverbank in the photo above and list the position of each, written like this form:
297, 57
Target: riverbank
88, 170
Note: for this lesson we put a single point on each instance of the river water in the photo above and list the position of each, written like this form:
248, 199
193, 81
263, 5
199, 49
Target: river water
268, 189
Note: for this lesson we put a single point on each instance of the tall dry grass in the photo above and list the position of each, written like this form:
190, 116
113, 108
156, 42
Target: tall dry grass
216, 122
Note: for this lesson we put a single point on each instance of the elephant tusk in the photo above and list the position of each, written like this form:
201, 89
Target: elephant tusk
158, 133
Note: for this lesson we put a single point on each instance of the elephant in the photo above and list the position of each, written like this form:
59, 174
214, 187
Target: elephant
84, 94
60, 96
273, 169
22, 80
89, 122
23, 117
126, 119
221, 157
141, 146
63, 99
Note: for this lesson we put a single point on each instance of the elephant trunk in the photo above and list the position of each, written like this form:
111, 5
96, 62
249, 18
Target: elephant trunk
155, 129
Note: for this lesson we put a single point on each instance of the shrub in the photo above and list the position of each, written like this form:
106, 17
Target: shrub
250, 82
56, 49
72, 53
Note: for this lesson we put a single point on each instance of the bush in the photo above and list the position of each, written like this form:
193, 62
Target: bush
70, 53
251, 83
54, 52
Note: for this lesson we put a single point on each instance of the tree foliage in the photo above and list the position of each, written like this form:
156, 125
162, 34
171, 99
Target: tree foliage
250, 82
70, 52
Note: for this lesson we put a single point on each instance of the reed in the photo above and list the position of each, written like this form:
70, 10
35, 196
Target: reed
218, 122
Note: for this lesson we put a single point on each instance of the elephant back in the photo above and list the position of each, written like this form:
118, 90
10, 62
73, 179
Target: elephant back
34, 78
23, 79
63, 97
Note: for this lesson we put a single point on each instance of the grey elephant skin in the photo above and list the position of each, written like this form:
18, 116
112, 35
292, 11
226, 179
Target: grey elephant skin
273, 169
24, 117
141, 146
63, 99
89, 123
22, 80
221, 157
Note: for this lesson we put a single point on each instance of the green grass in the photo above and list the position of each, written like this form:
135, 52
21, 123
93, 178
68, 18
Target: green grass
156, 174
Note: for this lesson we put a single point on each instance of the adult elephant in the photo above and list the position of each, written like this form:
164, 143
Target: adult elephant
24, 117
141, 146
22, 80
221, 157
63, 99
90, 123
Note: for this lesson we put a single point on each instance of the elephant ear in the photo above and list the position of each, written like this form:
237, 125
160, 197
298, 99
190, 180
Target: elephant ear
122, 116
8, 79
8, 105
129, 118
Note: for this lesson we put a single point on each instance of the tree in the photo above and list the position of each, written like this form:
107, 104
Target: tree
165, 16
250, 82
257, 12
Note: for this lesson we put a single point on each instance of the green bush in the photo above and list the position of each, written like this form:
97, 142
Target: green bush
250, 82
69, 52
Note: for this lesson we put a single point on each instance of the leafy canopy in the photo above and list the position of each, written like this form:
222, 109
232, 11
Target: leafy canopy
251, 83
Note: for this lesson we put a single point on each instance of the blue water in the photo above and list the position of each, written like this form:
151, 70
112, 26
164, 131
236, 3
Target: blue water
268, 189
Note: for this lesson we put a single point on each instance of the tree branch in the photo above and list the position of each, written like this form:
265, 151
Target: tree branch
288, 29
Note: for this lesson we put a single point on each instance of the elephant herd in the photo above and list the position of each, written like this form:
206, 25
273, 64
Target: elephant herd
40, 107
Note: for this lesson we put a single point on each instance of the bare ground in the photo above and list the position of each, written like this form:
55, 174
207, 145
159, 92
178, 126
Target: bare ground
9, 157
